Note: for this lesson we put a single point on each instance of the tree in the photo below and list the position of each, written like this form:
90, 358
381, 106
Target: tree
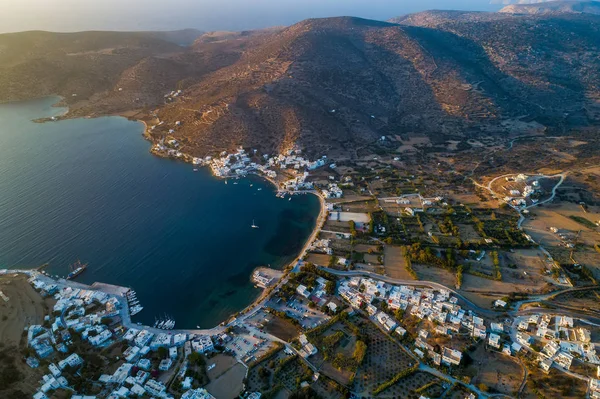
304, 393
263, 373
359, 351
162, 352
352, 225
399, 314
197, 359
330, 287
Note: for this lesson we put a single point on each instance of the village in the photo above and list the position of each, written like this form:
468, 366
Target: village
409, 284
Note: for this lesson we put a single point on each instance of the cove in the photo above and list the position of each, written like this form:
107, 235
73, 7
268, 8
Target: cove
89, 189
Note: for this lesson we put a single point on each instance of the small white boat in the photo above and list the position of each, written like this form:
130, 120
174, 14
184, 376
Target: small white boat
254, 226
136, 309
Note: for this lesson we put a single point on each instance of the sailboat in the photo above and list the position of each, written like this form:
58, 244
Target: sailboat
254, 226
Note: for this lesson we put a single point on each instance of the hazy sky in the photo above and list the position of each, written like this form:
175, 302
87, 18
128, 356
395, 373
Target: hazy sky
75, 15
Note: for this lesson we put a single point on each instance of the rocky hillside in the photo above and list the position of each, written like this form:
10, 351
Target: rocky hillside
336, 85
80, 66
332, 85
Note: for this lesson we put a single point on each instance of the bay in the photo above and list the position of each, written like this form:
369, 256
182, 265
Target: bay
89, 189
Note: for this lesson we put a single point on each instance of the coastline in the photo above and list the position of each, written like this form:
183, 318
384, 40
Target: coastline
252, 303
252, 308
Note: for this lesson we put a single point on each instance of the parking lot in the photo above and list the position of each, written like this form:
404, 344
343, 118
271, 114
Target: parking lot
298, 309
247, 343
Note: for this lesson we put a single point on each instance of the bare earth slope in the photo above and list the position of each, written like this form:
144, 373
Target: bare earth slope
335, 85
331, 85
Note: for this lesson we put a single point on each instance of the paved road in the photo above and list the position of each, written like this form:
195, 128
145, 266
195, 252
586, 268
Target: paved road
542, 297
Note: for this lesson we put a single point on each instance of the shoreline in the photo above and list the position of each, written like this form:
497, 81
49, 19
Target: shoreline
247, 311
252, 303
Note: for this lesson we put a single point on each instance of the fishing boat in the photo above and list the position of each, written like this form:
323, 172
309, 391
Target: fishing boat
76, 269
254, 226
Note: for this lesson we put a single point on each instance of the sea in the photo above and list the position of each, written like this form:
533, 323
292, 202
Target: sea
89, 190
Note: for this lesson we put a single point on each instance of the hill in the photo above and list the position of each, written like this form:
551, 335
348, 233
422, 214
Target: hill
330, 86
554, 7
336, 85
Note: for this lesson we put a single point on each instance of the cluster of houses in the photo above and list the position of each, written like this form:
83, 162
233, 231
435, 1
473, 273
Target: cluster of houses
562, 341
172, 95
437, 306
333, 191
241, 164
318, 294
84, 312
418, 205
567, 239
307, 349
518, 198
168, 147
322, 246
447, 319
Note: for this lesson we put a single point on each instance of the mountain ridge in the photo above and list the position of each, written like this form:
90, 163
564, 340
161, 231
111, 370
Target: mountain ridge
331, 85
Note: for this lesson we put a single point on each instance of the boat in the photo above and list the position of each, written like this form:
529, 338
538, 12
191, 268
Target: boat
195, 169
76, 269
254, 226
260, 189
136, 309
290, 199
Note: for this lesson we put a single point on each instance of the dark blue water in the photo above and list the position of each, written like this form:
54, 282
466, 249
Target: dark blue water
88, 189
